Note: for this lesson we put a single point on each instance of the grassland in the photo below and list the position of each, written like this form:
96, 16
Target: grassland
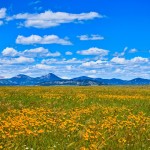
75, 118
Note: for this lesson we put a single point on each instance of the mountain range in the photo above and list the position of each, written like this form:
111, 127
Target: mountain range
52, 80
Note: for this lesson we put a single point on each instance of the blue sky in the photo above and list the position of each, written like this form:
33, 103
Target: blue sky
98, 38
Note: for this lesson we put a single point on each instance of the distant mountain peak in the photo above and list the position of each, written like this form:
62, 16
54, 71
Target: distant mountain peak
48, 77
1, 77
52, 79
51, 75
21, 76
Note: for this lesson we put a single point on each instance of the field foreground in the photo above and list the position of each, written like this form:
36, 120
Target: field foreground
75, 118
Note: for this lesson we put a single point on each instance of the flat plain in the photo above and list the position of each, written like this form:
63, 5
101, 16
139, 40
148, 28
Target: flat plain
75, 118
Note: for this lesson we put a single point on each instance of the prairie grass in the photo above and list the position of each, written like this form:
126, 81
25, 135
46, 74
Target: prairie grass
75, 118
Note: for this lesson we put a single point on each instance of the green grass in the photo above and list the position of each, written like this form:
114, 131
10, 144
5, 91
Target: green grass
105, 117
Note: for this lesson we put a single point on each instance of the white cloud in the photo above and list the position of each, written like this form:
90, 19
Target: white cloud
37, 50
93, 51
118, 70
40, 51
49, 19
43, 66
132, 68
133, 50
68, 53
118, 60
135, 60
62, 61
92, 37
92, 63
18, 60
47, 39
122, 53
139, 60
2, 13
25, 70
91, 71
9, 52
22, 59
56, 54
69, 67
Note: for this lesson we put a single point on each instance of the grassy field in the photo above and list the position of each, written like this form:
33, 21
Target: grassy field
75, 118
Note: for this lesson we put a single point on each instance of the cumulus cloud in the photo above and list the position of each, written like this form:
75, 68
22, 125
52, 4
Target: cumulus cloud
56, 54
135, 60
37, 50
68, 53
127, 68
92, 63
22, 59
40, 51
49, 19
18, 60
125, 51
9, 51
47, 39
118, 60
92, 37
2, 15
94, 51
43, 66
139, 60
62, 61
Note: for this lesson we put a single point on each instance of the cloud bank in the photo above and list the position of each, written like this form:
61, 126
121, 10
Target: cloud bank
50, 19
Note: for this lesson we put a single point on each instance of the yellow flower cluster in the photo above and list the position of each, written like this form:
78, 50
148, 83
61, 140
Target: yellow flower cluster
82, 118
